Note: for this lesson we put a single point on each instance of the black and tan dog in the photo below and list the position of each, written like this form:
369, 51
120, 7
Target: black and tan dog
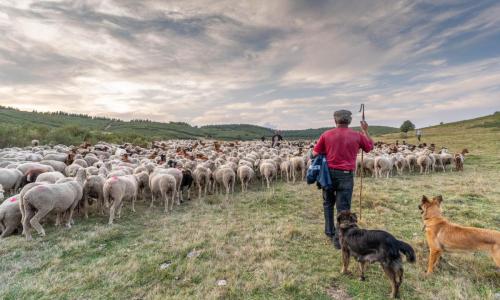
445, 236
369, 246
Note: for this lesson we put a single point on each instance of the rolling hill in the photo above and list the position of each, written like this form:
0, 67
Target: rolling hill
20, 127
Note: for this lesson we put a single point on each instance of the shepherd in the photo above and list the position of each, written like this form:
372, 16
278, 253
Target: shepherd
341, 146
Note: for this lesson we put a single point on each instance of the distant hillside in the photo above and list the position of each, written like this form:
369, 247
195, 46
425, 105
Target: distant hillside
484, 129
20, 127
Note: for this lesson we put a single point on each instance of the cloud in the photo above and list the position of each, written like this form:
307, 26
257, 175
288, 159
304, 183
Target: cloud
288, 64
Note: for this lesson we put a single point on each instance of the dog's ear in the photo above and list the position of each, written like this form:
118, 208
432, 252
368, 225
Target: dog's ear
425, 199
439, 199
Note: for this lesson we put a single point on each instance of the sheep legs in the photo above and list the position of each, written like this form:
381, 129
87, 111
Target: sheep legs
35, 220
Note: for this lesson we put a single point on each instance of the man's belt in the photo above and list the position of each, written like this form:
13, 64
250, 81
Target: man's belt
343, 171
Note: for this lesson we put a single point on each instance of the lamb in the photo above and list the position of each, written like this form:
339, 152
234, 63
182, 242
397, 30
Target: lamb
10, 179
117, 189
10, 216
298, 164
268, 171
245, 174
202, 179
459, 160
49, 177
162, 183
61, 198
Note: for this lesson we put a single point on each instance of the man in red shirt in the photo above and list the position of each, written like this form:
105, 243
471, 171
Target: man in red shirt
341, 145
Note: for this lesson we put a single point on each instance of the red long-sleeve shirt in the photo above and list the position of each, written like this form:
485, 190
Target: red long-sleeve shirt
341, 145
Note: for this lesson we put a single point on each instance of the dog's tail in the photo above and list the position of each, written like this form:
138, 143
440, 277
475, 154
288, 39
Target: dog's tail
407, 250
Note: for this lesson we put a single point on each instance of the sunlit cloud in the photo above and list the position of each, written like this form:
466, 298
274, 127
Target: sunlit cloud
281, 64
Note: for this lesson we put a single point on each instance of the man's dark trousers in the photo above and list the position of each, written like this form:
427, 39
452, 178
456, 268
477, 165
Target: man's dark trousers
340, 195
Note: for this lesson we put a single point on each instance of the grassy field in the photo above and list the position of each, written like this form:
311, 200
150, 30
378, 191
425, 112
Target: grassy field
267, 244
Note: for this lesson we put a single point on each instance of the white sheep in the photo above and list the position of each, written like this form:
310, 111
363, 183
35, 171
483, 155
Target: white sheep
61, 198
226, 177
268, 171
161, 184
10, 216
424, 162
245, 174
286, 168
298, 165
202, 179
49, 177
10, 179
116, 190
383, 164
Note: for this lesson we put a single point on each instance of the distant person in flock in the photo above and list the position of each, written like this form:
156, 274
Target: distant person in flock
419, 134
276, 139
263, 138
340, 145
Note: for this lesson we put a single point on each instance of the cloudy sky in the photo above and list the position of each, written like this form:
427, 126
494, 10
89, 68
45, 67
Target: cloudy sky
285, 64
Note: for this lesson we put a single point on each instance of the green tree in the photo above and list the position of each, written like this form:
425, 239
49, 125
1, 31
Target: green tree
407, 126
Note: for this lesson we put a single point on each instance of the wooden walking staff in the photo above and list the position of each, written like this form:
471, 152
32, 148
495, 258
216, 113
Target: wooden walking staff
362, 111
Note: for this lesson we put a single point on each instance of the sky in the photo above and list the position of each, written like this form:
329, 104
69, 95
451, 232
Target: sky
279, 64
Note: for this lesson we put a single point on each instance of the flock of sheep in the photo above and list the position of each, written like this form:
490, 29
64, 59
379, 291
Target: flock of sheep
387, 159
62, 182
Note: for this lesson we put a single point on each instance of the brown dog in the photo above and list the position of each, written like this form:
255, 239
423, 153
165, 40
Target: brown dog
445, 236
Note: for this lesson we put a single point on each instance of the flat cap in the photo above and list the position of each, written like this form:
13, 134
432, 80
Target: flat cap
342, 116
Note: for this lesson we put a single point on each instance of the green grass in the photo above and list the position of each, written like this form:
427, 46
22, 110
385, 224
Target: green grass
267, 245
